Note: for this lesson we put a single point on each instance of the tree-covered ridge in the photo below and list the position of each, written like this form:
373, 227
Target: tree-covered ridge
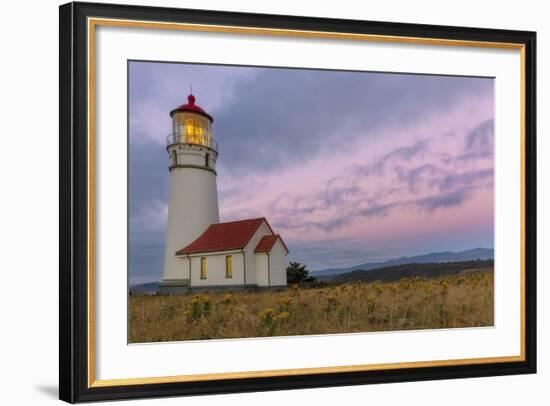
428, 270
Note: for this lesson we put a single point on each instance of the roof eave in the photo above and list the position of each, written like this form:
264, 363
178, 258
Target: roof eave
208, 116
199, 253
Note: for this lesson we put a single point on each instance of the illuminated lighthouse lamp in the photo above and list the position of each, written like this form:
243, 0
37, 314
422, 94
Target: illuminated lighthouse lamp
191, 125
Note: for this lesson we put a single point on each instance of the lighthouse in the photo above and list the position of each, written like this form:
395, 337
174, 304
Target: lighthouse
193, 204
201, 253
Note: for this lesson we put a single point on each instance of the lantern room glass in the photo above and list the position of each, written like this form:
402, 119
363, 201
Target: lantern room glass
192, 128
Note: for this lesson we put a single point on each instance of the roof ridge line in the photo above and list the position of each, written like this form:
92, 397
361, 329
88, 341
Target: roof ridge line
238, 221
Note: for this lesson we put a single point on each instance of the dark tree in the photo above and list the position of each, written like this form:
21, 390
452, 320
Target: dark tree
297, 273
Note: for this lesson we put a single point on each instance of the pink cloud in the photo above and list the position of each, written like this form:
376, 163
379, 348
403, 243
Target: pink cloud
428, 178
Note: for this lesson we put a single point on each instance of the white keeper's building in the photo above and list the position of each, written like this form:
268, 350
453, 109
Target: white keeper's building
201, 253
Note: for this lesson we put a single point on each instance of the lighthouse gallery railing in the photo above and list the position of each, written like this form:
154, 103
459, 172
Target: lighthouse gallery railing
207, 142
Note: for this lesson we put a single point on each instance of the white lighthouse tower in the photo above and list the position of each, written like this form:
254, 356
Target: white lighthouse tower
193, 204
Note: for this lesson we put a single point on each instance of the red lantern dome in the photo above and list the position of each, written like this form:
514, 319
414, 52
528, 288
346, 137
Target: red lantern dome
192, 107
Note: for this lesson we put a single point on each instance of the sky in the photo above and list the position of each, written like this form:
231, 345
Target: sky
349, 167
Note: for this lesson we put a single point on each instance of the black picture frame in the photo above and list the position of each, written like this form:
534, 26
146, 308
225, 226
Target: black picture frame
74, 199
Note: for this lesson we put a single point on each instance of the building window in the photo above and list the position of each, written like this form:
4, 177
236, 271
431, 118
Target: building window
206, 159
229, 266
203, 268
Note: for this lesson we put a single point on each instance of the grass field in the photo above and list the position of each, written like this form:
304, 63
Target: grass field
453, 301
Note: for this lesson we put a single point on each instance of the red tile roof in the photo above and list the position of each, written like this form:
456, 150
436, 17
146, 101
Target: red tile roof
233, 235
267, 242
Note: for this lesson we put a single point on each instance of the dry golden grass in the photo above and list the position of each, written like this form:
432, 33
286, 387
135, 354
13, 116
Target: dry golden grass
456, 301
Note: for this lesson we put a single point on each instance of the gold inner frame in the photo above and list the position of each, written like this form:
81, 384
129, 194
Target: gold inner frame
94, 22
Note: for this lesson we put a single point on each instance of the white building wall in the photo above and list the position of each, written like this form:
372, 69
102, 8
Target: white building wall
278, 264
215, 270
250, 256
193, 205
261, 268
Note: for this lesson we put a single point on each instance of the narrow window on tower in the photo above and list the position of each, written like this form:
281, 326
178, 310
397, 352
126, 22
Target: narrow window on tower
229, 266
174, 158
206, 159
203, 268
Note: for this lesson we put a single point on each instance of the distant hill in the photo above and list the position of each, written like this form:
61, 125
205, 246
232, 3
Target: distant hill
426, 270
445, 256
147, 288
